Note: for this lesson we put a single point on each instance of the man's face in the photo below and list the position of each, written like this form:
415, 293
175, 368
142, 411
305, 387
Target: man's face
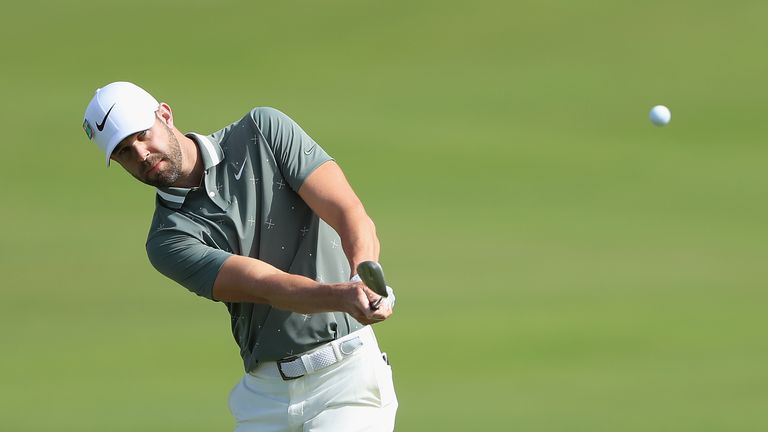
152, 156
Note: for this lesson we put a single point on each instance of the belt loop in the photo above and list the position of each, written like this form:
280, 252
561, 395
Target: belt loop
307, 363
336, 350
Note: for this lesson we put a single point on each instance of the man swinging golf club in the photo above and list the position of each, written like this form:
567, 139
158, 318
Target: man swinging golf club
259, 217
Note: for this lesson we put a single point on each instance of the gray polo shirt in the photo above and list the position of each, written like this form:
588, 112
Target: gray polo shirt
248, 205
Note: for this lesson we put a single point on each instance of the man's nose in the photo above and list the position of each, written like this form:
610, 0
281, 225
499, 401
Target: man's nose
140, 151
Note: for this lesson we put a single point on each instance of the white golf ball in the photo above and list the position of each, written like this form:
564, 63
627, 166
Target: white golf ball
660, 115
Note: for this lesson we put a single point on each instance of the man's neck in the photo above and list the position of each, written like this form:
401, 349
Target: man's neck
192, 167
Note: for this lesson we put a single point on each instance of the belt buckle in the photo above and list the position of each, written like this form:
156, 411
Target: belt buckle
280, 368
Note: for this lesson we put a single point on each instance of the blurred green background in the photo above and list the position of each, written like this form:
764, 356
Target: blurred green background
560, 263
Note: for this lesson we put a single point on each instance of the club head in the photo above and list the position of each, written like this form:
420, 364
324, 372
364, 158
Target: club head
373, 277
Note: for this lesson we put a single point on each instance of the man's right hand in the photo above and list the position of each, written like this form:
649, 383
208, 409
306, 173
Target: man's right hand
357, 300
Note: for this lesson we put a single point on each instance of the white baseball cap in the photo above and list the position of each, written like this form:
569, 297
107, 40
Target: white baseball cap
117, 110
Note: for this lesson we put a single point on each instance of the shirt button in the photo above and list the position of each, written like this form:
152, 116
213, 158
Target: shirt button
211, 194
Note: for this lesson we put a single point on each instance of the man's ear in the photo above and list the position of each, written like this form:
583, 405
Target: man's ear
165, 114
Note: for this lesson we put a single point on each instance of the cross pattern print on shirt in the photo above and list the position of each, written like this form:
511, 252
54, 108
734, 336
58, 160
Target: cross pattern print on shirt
269, 223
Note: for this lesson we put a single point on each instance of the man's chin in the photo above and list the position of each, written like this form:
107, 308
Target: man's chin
162, 180
163, 183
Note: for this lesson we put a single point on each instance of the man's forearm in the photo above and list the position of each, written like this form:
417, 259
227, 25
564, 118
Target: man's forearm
248, 280
358, 239
331, 197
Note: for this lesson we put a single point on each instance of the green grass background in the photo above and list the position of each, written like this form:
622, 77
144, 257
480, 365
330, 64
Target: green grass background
560, 263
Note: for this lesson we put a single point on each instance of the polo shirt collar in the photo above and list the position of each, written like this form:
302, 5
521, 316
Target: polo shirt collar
212, 155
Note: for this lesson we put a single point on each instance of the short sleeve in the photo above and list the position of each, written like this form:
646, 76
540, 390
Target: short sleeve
297, 154
186, 260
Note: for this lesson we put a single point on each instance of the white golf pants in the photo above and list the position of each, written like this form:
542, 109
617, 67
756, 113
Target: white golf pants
354, 394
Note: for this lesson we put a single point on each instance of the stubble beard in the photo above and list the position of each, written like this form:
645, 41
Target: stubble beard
168, 176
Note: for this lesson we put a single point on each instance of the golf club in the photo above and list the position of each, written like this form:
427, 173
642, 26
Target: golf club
372, 276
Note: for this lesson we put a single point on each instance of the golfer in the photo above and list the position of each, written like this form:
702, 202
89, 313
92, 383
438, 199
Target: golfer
259, 217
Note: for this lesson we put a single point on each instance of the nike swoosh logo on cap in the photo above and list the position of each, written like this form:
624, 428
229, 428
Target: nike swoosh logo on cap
240, 173
100, 127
